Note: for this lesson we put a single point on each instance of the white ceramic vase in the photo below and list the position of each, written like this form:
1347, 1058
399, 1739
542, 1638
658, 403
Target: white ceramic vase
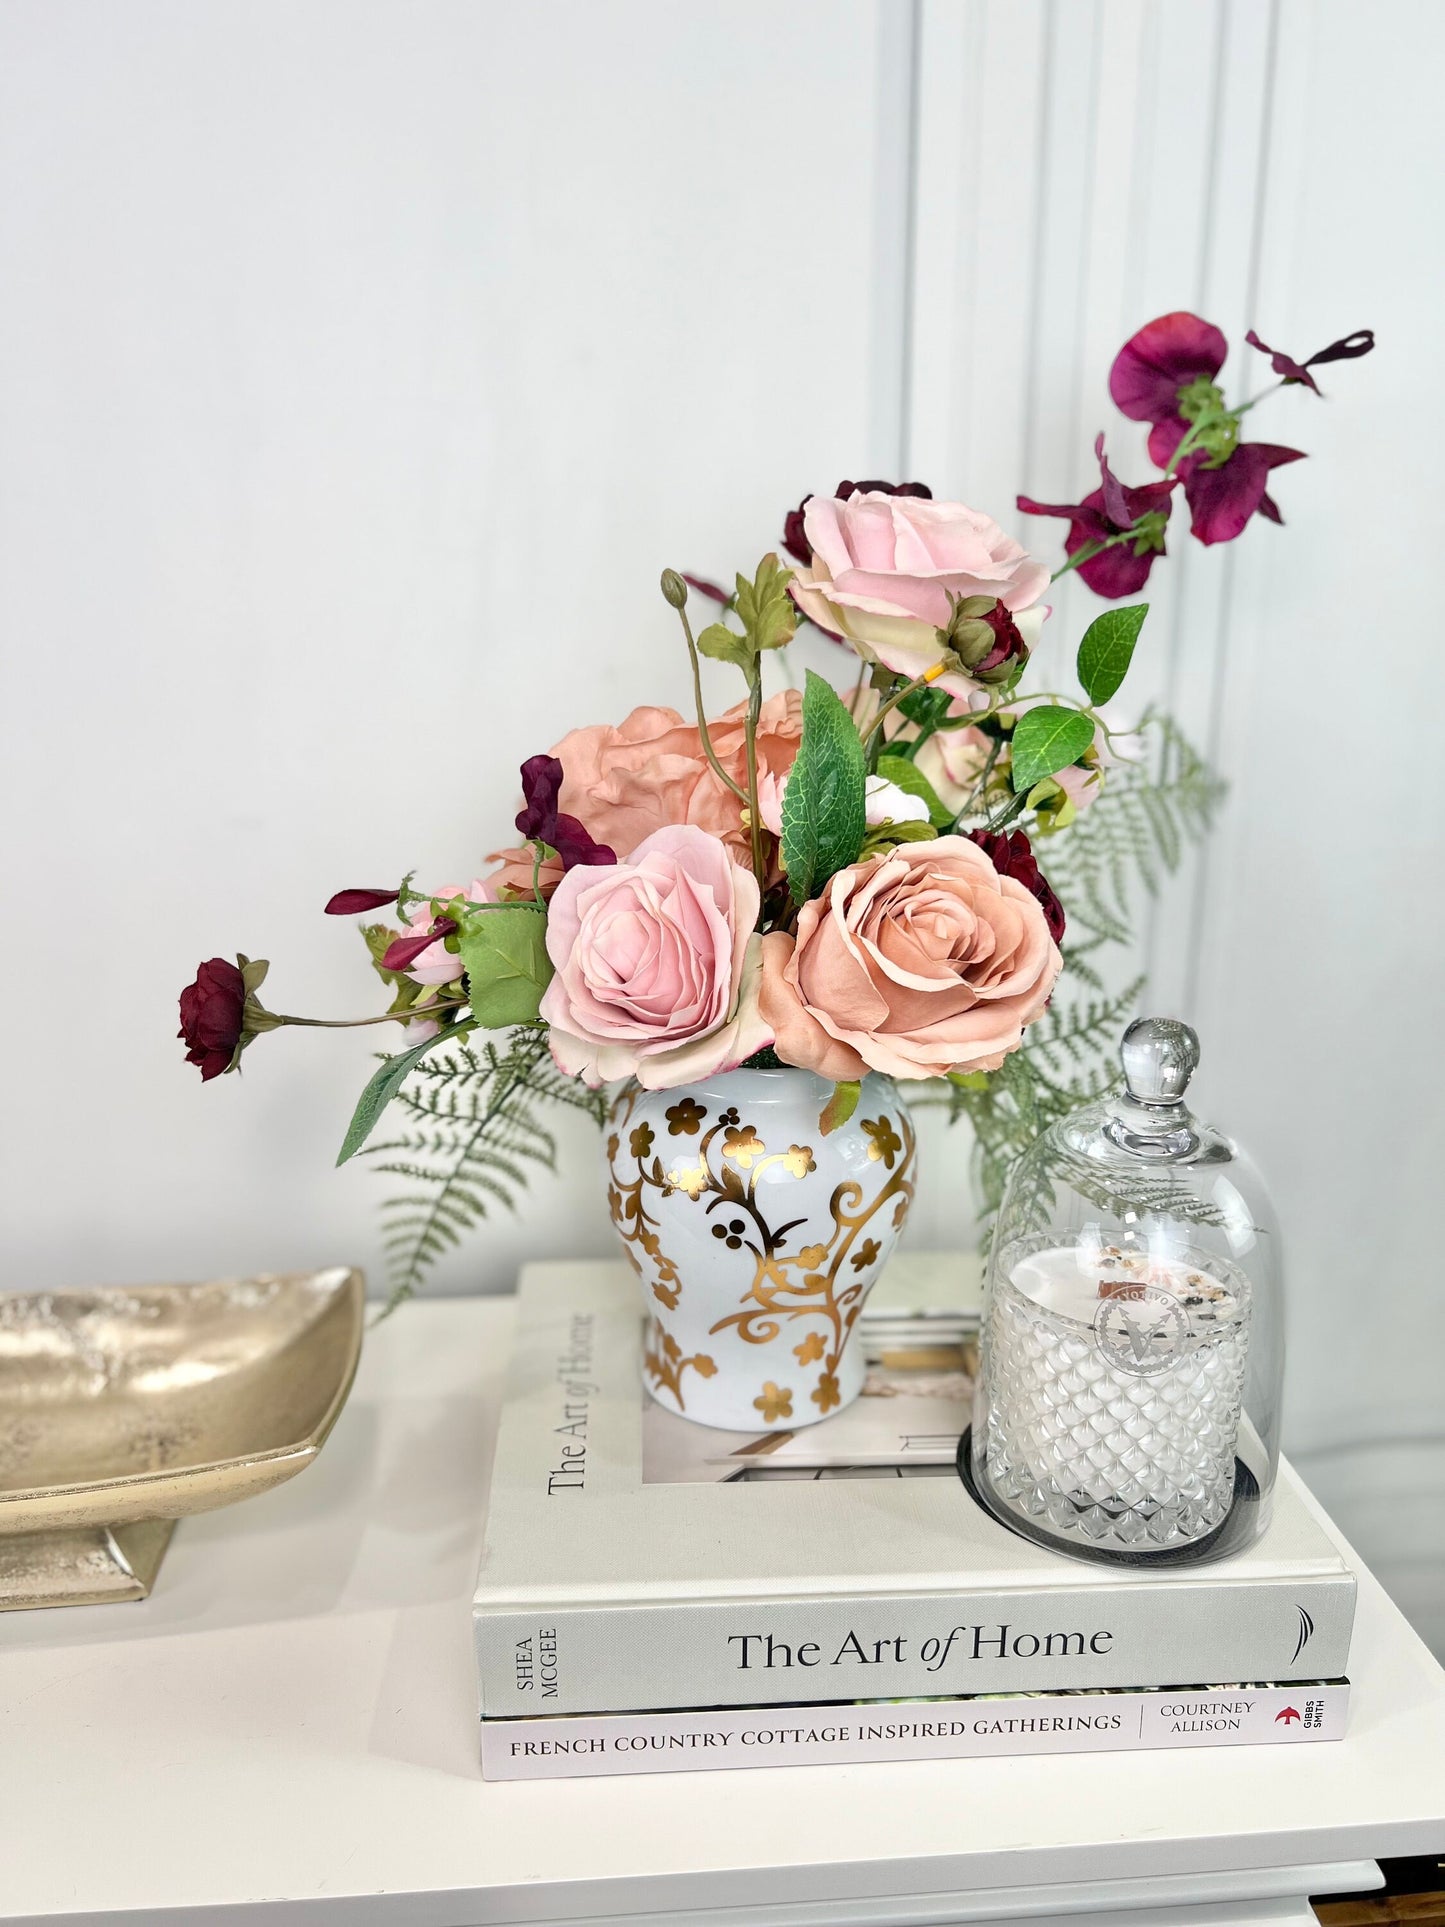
756, 1238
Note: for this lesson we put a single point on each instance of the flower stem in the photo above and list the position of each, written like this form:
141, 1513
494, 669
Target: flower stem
387, 1017
708, 750
755, 823
874, 737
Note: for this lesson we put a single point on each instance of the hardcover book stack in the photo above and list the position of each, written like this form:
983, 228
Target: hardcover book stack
656, 1596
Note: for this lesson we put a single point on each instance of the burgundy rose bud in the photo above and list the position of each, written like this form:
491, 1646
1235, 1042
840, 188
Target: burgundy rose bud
795, 536
405, 950
1011, 854
1347, 348
351, 903
220, 1014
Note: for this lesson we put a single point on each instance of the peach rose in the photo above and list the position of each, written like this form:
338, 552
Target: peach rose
658, 968
884, 566
920, 961
625, 781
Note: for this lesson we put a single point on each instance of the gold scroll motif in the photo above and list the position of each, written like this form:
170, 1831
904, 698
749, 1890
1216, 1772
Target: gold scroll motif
811, 1284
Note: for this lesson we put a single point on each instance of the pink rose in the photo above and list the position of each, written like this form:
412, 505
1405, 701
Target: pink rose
627, 780
920, 961
884, 566
658, 968
436, 964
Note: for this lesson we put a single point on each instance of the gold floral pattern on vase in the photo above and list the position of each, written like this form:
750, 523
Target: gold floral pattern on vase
760, 1237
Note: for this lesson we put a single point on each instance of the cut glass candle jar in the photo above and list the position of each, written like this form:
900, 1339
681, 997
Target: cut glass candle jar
1128, 1394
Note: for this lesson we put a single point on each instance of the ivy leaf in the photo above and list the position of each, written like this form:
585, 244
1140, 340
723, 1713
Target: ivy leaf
824, 818
1107, 650
504, 953
1046, 739
725, 645
841, 1105
384, 1087
910, 779
769, 615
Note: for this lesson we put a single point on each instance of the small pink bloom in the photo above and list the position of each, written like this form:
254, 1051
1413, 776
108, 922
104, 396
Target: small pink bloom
436, 964
885, 566
658, 969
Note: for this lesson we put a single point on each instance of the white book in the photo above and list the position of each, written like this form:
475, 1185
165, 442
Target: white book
577, 1745
633, 1561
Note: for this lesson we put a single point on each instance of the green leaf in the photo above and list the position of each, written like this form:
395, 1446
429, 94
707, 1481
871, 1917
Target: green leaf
384, 1087
1046, 739
911, 780
1107, 650
725, 645
841, 1105
824, 820
769, 615
504, 953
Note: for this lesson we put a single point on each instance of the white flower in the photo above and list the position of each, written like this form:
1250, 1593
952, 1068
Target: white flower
886, 803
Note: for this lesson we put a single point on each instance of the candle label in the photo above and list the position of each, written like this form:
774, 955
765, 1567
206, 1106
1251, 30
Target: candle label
1143, 1330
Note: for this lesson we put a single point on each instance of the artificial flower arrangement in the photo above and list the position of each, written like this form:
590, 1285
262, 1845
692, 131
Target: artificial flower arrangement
843, 883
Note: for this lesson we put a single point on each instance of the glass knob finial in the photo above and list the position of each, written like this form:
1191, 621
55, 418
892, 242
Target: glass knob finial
1159, 1055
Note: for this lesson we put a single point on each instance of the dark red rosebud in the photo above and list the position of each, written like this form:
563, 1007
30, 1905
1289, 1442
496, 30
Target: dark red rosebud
539, 817
1011, 854
351, 903
405, 950
1221, 500
1162, 358
1008, 644
213, 1012
795, 539
709, 589
1347, 348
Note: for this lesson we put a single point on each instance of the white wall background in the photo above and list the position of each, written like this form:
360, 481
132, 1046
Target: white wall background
362, 362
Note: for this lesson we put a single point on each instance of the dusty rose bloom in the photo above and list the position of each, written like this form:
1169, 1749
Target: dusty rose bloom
884, 567
920, 961
657, 964
627, 780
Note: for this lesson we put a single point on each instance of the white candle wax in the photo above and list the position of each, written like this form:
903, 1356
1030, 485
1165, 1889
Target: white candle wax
1115, 1383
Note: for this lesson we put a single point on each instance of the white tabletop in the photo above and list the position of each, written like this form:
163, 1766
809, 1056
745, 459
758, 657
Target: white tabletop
287, 1729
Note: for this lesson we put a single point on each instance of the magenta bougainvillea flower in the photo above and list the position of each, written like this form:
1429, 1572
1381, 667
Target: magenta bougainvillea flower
539, 816
795, 536
1106, 513
1347, 348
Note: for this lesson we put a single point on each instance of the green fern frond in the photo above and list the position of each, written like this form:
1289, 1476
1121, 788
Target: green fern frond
471, 1141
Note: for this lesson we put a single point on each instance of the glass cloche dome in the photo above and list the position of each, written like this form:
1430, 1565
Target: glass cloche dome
1132, 1349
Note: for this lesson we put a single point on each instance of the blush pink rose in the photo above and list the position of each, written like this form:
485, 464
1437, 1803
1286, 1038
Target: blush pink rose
884, 566
658, 968
920, 961
626, 780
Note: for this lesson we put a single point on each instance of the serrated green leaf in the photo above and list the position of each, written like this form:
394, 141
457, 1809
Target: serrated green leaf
824, 817
1107, 650
841, 1105
725, 645
384, 1087
1047, 739
504, 953
910, 779
769, 615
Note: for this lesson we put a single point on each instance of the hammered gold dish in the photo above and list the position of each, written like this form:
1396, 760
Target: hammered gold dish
122, 1410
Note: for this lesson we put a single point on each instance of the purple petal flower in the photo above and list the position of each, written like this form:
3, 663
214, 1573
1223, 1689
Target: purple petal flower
351, 903
539, 817
704, 587
1108, 511
1347, 348
1221, 500
1163, 357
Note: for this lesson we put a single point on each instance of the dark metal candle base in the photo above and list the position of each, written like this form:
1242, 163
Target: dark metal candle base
1236, 1530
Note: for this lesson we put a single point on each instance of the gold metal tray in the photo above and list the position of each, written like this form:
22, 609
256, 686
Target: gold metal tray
122, 1410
